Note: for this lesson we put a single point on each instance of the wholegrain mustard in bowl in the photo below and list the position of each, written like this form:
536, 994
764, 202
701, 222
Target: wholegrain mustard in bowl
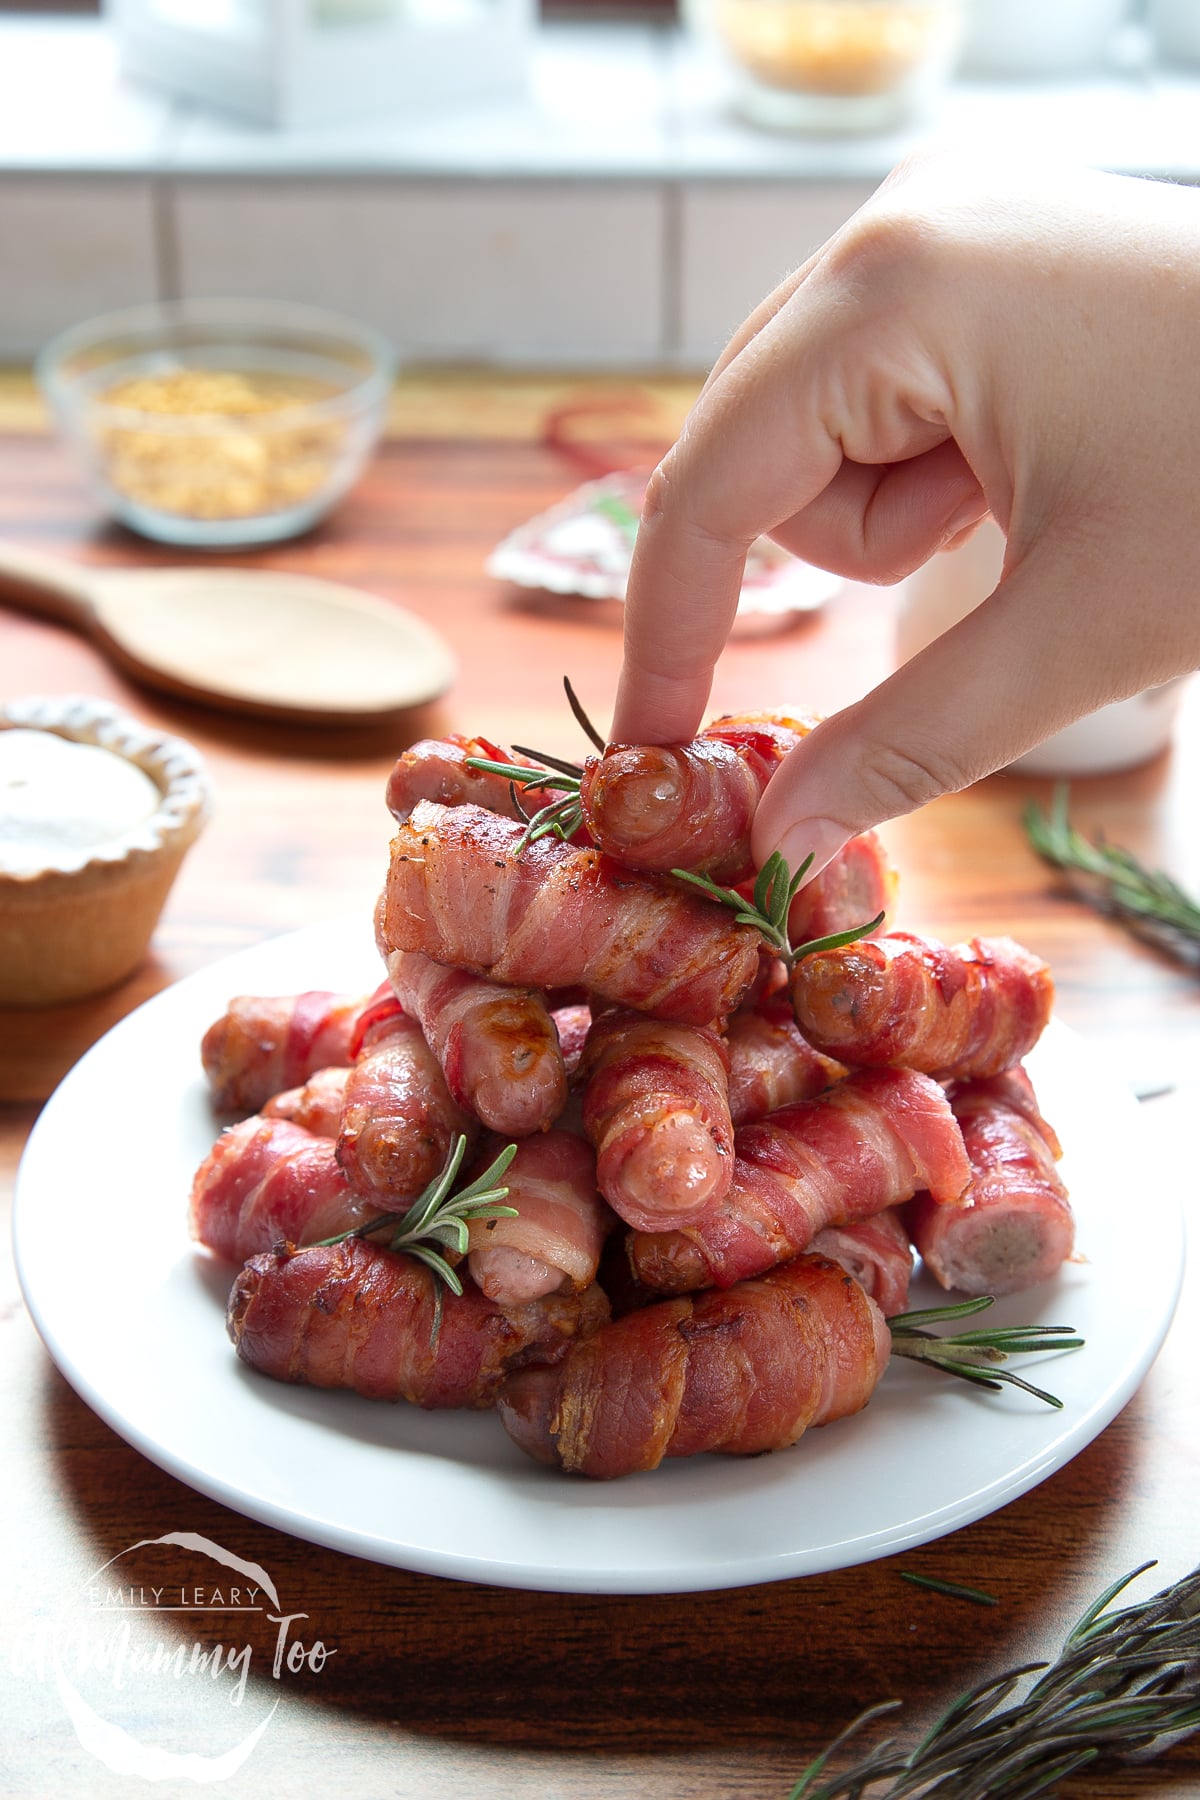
220, 422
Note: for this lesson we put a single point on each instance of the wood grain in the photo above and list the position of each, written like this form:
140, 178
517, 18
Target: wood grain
445, 1689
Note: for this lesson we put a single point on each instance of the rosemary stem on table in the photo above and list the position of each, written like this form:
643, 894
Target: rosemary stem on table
1125, 1686
1115, 882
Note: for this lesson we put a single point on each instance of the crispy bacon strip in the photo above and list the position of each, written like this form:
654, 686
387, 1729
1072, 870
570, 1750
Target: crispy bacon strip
556, 917
771, 1064
878, 1254
656, 1110
266, 1181
560, 1228
1013, 1227
265, 1043
870, 1142
436, 769
688, 806
740, 1372
317, 1105
352, 1315
398, 1120
964, 1011
497, 1046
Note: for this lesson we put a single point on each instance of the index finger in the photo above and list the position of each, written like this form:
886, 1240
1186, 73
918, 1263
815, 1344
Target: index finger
743, 464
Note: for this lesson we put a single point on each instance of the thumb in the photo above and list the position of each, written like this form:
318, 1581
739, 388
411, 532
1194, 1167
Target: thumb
1019, 668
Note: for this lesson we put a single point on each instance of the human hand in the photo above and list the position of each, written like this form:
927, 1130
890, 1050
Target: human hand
971, 341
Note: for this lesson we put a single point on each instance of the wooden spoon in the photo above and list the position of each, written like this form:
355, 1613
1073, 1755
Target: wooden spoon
245, 640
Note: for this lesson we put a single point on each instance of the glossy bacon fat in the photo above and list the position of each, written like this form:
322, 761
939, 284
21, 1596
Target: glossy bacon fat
688, 806
872, 1141
316, 1104
497, 1046
437, 769
964, 1011
738, 1372
561, 1223
1013, 1227
352, 1315
264, 1044
557, 917
656, 1109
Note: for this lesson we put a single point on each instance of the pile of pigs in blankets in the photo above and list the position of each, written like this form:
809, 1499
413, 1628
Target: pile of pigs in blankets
723, 1165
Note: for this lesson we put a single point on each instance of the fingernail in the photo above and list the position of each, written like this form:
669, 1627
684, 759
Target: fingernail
969, 514
820, 838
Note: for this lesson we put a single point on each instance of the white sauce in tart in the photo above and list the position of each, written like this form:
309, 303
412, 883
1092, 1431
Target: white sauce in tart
58, 798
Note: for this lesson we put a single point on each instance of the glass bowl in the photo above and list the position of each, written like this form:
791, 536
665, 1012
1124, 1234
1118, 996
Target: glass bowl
219, 422
837, 65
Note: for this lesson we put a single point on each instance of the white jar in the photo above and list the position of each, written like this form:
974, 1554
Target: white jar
1175, 29
1041, 37
951, 585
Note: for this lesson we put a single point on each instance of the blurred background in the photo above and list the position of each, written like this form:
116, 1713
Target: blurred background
601, 184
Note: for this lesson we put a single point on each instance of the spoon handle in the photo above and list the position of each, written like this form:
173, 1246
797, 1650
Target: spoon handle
47, 585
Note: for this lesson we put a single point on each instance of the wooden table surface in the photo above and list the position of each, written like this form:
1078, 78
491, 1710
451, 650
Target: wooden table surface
443, 1688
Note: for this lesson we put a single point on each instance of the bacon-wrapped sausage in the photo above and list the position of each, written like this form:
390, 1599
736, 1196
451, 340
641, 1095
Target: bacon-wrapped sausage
688, 806
1013, 1227
872, 1141
267, 1181
964, 1011
265, 1043
656, 1109
352, 1315
560, 1227
556, 917
878, 1254
497, 1045
398, 1120
436, 769
855, 887
771, 1064
738, 1372
317, 1104
572, 1023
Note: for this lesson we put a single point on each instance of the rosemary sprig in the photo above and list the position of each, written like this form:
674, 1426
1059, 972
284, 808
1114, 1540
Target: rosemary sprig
1112, 880
562, 817
440, 1217
774, 891
976, 1355
1126, 1685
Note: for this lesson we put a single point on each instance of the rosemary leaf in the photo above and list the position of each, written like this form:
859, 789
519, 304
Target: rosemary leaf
952, 1589
576, 706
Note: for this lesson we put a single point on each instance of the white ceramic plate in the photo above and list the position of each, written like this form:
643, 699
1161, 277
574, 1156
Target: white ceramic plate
132, 1315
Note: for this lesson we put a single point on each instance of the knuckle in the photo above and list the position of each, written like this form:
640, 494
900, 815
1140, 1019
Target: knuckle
898, 780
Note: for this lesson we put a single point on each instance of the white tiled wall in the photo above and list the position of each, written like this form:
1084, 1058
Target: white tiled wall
545, 272
737, 241
618, 213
